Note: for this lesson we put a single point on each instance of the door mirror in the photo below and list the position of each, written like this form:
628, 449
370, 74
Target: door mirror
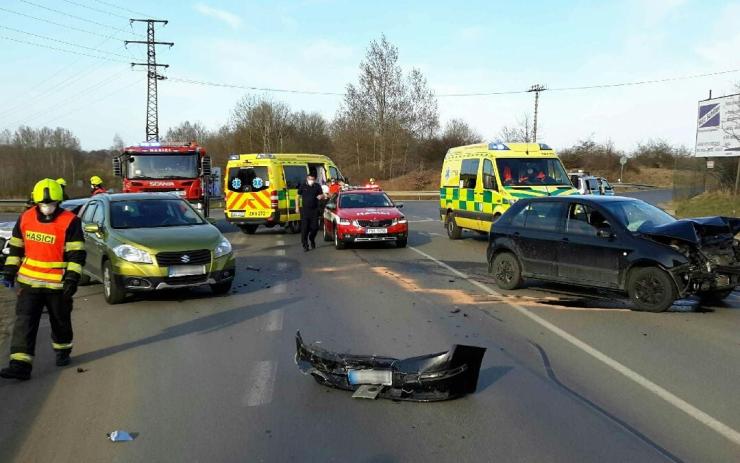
399, 205
91, 228
605, 232
331, 206
205, 166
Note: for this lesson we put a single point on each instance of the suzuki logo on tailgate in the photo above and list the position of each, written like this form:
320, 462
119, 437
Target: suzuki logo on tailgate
185, 258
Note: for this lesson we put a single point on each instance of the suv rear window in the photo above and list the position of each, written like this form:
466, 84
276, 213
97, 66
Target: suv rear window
248, 179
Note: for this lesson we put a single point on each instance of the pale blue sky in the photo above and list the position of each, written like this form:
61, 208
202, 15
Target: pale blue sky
463, 46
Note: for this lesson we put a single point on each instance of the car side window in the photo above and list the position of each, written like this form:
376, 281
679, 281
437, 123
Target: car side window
520, 218
469, 173
89, 211
544, 216
489, 179
99, 215
578, 222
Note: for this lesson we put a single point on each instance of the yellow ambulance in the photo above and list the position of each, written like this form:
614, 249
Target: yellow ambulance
479, 182
261, 189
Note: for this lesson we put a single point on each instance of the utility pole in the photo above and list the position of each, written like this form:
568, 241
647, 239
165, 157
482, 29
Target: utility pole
537, 88
152, 118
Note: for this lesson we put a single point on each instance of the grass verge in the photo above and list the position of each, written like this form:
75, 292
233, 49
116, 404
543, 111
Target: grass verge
708, 204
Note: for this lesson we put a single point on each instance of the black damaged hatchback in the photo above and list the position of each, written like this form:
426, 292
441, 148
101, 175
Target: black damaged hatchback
617, 243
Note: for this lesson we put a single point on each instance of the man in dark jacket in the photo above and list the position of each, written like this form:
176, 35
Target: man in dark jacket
311, 195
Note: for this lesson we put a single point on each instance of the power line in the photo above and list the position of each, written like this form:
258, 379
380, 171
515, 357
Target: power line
82, 93
92, 8
597, 86
61, 49
122, 9
91, 103
249, 87
58, 24
79, 18
63, 42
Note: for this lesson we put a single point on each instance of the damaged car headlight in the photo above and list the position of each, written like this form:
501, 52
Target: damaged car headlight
400, 221
132, 254
223, 248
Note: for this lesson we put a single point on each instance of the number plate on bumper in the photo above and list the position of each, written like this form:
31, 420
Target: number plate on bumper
376, 231
186, 270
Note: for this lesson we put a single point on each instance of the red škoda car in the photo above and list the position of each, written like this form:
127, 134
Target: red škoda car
362, 215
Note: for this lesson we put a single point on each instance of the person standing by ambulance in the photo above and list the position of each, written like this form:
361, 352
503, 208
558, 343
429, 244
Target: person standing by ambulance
47, 252
311, 195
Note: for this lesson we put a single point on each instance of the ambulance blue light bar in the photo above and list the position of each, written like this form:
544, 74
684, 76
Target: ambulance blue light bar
497, 146
265, 156
233, 157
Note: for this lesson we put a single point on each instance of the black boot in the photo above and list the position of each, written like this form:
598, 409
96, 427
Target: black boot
17, 370
62, 358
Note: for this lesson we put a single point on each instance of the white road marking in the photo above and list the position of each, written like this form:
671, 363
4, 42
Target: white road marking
282, 266
263, 377
704, 418
279, 252
422, 221
274, 320
280, 242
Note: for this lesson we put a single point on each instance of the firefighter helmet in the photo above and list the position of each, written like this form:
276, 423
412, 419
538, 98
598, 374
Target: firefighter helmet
96, 181
47, 191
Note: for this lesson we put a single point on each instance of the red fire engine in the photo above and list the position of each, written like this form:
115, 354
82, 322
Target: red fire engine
181, 168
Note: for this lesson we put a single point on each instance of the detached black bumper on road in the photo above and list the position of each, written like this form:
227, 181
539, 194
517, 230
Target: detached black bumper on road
427, 378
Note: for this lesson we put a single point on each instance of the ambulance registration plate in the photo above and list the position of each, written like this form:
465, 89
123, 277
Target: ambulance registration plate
237, 214
376, 231
186, 270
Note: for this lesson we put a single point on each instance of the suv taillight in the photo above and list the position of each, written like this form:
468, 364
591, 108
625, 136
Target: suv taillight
274, 200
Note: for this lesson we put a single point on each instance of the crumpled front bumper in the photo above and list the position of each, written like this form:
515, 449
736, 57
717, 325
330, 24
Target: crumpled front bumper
427, 378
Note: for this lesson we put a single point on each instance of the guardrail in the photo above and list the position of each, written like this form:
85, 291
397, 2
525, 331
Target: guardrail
419, 195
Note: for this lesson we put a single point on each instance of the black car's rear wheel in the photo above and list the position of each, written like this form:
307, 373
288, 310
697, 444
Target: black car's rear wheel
453, 231
651, 289
506, 271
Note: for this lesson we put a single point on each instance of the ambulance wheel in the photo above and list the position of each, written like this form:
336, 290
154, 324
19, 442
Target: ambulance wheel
249, 229
293, 227
114, 294
327, 236
453, 231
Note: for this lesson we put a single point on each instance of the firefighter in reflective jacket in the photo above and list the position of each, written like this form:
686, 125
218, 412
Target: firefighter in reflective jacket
47, 252
96, 186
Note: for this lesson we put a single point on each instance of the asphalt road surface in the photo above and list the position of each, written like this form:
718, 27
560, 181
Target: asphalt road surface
569, 375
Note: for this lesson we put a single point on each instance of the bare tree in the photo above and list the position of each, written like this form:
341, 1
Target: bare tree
118, 144
519, 133
186, 132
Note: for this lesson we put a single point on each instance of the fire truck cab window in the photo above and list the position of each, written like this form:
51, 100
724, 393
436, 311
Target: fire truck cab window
248, 179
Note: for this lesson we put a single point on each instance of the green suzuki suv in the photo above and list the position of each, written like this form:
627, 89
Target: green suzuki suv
149, 241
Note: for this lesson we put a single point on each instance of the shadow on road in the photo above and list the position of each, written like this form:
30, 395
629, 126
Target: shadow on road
201, 325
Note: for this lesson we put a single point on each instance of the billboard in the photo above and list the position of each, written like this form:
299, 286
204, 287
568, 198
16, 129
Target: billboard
718, 127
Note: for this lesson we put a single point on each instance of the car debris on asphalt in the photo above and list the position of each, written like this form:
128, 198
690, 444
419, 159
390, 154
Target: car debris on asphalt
426, 378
